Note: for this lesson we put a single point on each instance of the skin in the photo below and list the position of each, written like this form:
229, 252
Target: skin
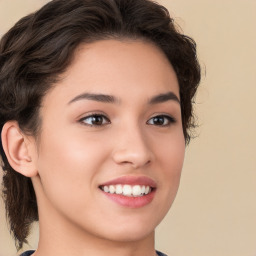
72, 157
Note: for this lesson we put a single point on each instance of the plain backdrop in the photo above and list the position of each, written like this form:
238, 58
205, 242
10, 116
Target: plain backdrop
214, 213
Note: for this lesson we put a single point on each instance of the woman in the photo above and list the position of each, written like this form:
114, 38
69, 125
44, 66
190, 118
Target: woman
95, 111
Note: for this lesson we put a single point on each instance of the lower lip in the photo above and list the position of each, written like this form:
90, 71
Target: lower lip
131, 202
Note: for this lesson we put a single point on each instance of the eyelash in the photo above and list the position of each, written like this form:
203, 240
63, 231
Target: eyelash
96, 115
167, 120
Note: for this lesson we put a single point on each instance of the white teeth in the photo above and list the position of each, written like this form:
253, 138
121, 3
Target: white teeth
143, 189
127, 190
136, 190
112, 189
119, 189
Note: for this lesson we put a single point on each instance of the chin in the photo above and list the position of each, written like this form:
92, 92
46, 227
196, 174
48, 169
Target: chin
132, 231
131, 235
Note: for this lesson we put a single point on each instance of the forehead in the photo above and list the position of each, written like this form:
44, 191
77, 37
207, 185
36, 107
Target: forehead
122, 68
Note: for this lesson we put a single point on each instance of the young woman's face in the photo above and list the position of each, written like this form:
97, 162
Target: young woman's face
111, 145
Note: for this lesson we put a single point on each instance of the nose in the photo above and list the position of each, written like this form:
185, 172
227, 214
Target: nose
132, 148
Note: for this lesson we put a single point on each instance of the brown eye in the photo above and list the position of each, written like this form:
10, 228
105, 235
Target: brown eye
95, 120
161, 120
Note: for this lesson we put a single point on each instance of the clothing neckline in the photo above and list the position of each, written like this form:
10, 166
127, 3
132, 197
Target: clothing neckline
30, 252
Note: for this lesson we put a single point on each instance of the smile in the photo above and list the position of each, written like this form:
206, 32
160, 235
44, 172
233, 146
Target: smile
127, 190
130, 191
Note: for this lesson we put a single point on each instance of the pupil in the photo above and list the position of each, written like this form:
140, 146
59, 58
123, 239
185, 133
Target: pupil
158, 120
97, 120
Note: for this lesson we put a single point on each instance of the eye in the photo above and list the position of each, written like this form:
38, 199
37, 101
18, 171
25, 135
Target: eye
161, 120
95, 120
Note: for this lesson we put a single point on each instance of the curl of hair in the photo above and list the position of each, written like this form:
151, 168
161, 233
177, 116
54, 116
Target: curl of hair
40, 47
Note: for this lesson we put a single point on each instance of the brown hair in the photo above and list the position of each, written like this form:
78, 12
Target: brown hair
40, 47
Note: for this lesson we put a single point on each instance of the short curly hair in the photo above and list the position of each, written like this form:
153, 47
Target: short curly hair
40, 47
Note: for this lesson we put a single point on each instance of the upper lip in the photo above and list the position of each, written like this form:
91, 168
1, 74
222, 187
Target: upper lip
131, 180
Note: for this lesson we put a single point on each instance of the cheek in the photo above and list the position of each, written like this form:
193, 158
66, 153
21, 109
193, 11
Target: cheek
170, 152
171, 156
68, 168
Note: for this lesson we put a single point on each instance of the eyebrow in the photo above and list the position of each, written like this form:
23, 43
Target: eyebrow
163, 98
96, 97
112, 99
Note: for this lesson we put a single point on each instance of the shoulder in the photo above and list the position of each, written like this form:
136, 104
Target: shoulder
27, 253
160, 253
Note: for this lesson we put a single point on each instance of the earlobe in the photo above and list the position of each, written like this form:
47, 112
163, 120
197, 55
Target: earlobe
16, 148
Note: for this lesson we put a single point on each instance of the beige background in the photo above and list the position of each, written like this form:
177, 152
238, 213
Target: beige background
215, 211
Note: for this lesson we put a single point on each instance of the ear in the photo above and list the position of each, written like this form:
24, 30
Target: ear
18, 149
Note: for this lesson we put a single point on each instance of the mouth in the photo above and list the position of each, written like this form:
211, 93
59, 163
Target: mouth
130, 191
127, 190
